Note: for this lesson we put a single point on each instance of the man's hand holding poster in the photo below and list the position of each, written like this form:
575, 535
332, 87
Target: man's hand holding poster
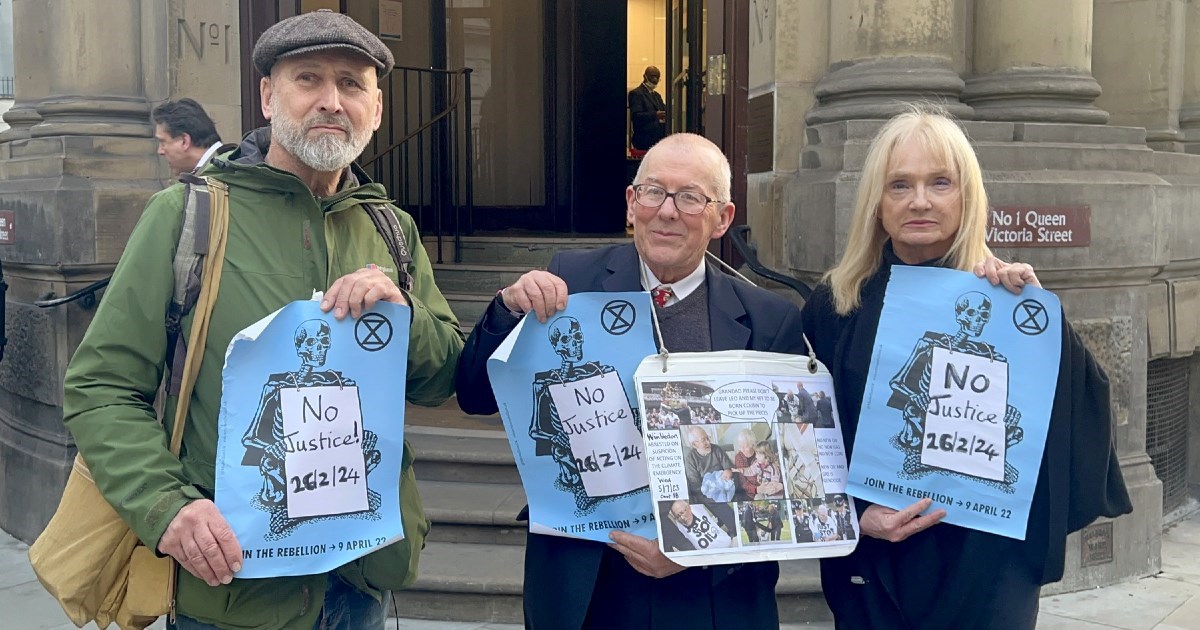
958, 398
577, 440
311, 436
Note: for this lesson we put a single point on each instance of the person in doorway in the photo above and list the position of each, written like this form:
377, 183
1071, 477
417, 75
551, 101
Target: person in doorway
678, 203
647, 113
321, 72
187, 137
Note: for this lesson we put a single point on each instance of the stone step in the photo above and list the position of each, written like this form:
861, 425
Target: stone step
462, 455
474, 512
798, 593
482, 583
528, 251
466, 582
468, 307
475, 278
448, 415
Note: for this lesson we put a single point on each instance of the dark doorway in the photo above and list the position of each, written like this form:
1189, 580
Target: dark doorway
548, 125
587, 116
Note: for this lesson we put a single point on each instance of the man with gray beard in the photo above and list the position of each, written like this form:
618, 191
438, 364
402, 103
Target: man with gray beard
301, 217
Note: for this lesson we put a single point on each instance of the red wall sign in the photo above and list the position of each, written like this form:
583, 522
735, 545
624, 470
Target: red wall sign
6, 227
1039, 226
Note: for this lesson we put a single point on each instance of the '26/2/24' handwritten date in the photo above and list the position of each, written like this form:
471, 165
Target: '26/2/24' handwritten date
335, 476
955, 443
595, 462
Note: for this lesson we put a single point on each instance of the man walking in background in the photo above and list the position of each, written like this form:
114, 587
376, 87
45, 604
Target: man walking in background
187, 137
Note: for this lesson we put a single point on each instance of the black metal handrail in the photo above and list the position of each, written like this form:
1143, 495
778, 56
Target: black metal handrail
86, 296
3, 303
424, 153
739, 236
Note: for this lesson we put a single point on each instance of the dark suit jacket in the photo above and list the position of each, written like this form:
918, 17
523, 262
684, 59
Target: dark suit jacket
644, 105
560, 573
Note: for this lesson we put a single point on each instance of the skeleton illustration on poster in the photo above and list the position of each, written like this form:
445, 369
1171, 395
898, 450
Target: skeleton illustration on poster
577, 440
957, 404
310, 437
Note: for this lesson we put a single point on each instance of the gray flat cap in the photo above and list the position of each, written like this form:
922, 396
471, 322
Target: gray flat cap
319, 30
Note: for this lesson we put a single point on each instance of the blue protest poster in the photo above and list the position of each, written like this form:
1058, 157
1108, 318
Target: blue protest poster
958, 398
566, 395
311, 436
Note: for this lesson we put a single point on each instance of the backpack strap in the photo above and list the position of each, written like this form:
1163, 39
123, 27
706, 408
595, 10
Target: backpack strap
188, 266
389, 228
213, 263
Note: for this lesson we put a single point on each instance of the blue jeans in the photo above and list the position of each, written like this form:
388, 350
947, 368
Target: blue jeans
345, 608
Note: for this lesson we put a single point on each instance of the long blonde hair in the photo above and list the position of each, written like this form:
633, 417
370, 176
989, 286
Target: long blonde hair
947, 144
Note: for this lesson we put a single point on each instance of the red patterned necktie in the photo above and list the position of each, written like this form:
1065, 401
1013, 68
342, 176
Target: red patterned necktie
661, 294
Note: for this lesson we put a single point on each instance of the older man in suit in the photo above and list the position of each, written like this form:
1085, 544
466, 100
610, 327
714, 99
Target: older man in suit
678, 203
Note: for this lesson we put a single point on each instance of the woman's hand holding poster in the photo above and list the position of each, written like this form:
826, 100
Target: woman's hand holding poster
577, 440
958, 398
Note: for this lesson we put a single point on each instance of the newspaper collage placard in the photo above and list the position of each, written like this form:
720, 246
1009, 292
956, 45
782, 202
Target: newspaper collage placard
745, 463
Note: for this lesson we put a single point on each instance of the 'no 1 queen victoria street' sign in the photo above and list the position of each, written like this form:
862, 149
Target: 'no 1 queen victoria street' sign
1039, 226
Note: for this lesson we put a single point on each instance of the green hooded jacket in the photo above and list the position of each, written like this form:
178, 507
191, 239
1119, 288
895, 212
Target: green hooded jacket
283, 244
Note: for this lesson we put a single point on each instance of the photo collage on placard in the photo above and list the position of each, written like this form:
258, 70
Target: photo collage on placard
752, 470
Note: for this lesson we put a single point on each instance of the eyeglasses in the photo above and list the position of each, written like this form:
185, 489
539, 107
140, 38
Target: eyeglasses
686, 201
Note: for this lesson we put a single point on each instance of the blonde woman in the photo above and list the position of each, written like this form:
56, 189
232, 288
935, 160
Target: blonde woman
921, 202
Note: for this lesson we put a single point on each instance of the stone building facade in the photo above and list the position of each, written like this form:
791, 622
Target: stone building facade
1090, 105
1075, 106
76, 168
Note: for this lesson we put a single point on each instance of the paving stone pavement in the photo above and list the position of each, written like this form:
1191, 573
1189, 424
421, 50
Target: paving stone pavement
1167, 601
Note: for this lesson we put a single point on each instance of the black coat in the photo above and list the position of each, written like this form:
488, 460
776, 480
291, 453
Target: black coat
1079, 480
560, 573
644, 105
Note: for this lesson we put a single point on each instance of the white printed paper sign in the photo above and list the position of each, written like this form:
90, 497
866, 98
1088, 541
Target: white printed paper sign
666, 465
324, 467
964, 425
605, 443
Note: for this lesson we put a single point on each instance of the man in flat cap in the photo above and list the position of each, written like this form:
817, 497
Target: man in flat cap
300, 217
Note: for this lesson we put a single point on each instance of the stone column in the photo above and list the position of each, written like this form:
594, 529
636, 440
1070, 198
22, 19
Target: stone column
1189, 112
883, 55
1033, 62
92, 93
73, 182
31, 42
1139, 60
788, 56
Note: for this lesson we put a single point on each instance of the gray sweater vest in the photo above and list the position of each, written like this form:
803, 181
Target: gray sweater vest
685, 323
